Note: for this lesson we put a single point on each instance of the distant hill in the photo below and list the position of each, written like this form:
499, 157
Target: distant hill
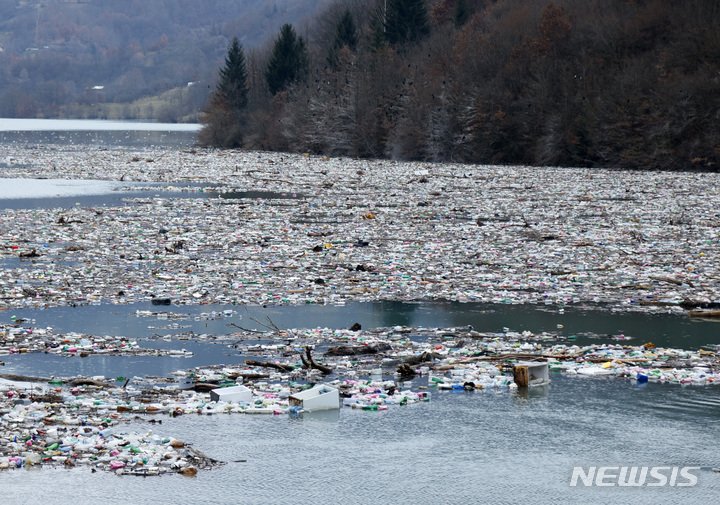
134, 59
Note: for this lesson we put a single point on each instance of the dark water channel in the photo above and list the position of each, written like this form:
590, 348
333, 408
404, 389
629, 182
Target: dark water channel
123, 196
573, 326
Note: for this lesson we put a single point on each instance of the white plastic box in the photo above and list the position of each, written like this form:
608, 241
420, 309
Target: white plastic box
320, 397
531, 373
231, 394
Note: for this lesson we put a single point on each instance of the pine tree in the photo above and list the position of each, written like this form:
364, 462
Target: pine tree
232, 88
289, 61
377, 40
462, 13
346, 33
303, 59
223, 120
406, 21
345, 36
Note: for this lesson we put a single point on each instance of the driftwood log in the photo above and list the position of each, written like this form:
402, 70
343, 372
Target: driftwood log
709, 314
308, 362
201, 387
247, 376
266, 364
30, 254
23, 378
89, 382
406, 371
354, 350
421, 358
47, 398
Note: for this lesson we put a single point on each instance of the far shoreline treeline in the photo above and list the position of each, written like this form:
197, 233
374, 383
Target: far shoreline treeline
588, 83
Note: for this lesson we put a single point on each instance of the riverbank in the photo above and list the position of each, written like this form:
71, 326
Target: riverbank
364, 230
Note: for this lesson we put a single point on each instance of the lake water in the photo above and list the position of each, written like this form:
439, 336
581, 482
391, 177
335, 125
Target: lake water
464, 447
461, 447
97, 132
64, 193
586, 326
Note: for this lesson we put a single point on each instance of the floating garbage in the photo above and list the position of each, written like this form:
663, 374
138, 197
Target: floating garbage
362, 230
23, 340
320, 397
231, 394
354, 230
528, 374
65, 421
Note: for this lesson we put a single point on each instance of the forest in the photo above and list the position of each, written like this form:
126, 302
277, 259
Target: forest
131, 59
611, 83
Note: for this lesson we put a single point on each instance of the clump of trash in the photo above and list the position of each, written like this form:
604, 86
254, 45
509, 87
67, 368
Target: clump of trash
253, 228
81, 427
17, 339
328, 231
79, 421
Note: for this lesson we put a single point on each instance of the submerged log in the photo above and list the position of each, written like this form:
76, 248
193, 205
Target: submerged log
708, 314
354, 350
265, 364
421, 358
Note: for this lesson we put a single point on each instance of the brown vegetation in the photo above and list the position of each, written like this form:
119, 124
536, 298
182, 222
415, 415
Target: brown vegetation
614, 83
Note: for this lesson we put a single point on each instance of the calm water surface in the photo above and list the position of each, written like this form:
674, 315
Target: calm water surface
65, 194
97, 133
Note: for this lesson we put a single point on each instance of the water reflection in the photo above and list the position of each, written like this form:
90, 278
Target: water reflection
322, 416
118, 194
139, 139
533, 393
586, 325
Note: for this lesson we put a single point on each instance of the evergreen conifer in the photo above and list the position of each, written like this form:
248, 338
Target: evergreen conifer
406, 21
345, 36
289, 61
232, 88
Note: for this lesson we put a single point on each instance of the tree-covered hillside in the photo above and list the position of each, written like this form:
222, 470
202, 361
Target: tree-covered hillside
611, 83
100, 58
